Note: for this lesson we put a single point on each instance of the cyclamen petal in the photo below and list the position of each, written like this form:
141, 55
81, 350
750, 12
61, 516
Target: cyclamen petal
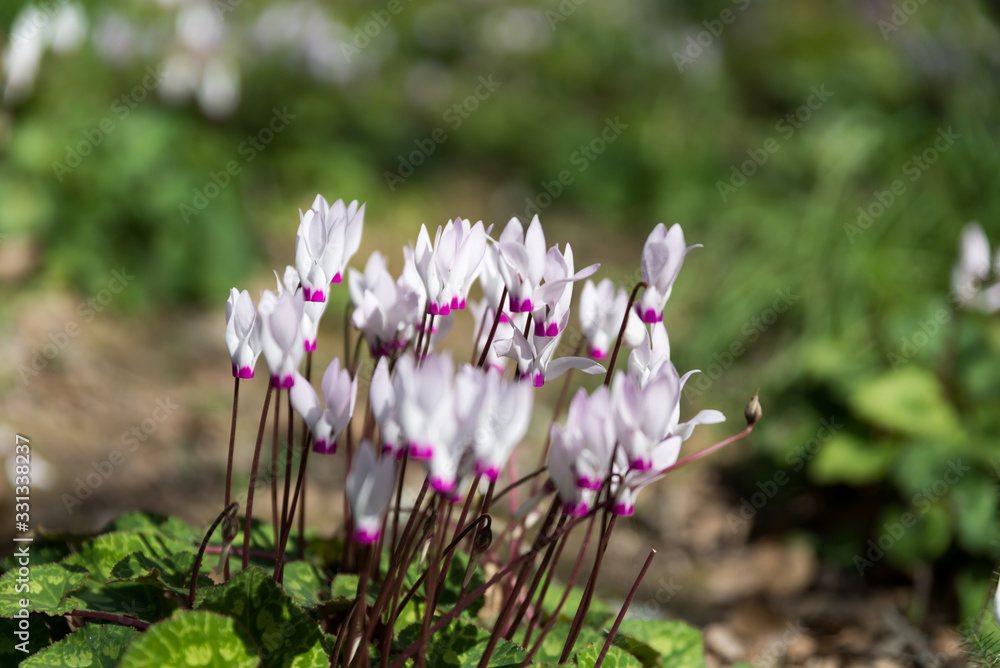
662, 257
242, 333
369, 489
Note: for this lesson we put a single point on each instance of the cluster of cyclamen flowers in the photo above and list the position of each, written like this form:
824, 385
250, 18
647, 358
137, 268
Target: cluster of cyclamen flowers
463, 424
467, 423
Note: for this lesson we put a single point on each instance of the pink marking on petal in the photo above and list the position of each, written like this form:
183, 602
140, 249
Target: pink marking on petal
488, 470
324, 448
433, 308
521, 306
586, 482
454, 303
314, 295
246, 372
282, 383
236, 373
552, 329
641, 464
461, 304
648, 316
539, 328
442, 485
495, 367
336, 278
503, 317
310, 346
576, 509
598, 354
419, 451
539, 380
623, 508
366, 536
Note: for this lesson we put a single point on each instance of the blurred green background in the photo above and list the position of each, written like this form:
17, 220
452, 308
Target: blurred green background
766, 129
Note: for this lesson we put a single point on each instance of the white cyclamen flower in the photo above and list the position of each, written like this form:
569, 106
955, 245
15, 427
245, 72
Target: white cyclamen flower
502, 422
369, 489
281, 334
556, 294
242, 333
534, 356
424, 400
602, 310
327, 237
340, 394
449, 265
522, 263
662, 257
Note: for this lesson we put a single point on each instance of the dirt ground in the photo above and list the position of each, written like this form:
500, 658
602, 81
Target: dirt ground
134, 413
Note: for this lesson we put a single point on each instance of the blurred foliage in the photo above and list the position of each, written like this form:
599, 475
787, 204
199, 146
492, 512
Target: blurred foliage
825, 274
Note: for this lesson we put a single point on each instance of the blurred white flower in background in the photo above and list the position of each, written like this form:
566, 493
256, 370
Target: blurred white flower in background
61, 28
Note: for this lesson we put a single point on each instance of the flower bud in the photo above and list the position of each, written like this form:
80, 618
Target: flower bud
753, 410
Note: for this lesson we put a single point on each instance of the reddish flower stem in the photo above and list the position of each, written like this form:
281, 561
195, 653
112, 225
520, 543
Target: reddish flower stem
625, 605
621, 333
229, 463
253, 477
493, 329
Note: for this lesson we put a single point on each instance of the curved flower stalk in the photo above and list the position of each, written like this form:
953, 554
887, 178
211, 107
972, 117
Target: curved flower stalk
662, 257
242, 333
369, 490
534, 356
501, 422
449, 265
973, 269
556, 294
602, 310
281, 334
385, 311
327, 238
340, 394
